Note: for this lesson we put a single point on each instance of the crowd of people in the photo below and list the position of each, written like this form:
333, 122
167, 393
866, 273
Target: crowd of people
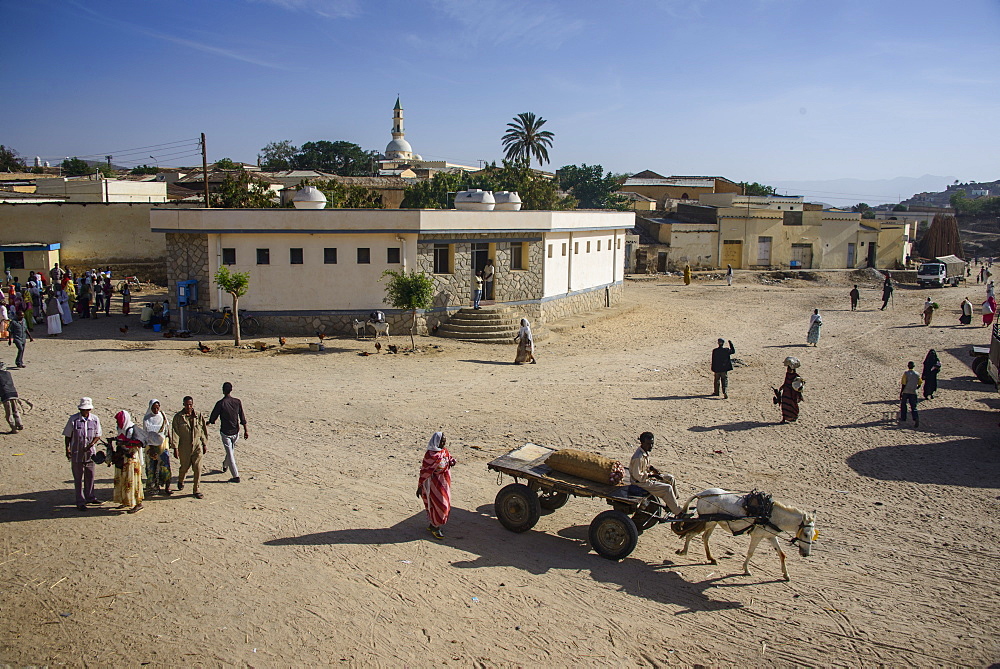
143, 453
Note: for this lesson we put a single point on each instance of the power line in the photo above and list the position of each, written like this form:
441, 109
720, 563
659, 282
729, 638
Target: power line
132, 151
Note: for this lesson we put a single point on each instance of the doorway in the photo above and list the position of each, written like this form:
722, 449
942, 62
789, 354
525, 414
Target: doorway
732, 253
802, 256
764, 251
852, 255
872, 253
480, 256
661, 262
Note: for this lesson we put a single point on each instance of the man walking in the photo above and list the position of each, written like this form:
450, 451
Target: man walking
18, 335
722, 364
908, 394
855, 298
8, 393
886, 291
190, 440
82, 432
230, 411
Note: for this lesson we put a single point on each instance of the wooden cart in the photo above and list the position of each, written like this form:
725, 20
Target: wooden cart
613, 533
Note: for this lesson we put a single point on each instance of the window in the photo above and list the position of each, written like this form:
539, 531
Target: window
263, 256
392, 256
588, 247
442, 258
564, 248
518, 255
619, 243
550, 250
598, 245
13, 259
609, 245
295, 256
228, 256
576, 247
330, 256
364, 256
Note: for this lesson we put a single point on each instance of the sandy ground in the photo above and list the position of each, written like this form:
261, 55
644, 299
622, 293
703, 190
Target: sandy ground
321, 557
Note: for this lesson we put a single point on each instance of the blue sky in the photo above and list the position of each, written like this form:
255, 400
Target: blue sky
760, 90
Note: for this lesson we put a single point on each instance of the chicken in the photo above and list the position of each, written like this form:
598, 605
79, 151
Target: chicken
203, 348
123, 330
393, 348
378, 347
282, 341
321, 335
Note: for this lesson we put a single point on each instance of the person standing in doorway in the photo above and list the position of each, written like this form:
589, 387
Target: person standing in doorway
190, 442
18, 335
477, 289
230, 411
722, 364
855, 297
82, 432
729, 275
489, 275
908, 385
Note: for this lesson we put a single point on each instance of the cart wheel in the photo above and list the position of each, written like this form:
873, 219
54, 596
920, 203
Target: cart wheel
613, 535
981, 368
553, 499
517, 507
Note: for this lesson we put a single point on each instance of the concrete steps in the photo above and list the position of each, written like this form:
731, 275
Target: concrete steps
490, 325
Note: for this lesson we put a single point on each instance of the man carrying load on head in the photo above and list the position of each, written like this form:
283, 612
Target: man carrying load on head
647, 477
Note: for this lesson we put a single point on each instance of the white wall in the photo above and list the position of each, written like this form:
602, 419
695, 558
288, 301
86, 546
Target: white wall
104, 190
581, 269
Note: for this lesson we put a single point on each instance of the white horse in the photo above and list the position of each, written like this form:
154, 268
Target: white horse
716, 502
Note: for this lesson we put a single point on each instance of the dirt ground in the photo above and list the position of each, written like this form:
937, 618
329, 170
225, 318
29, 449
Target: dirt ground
321, 557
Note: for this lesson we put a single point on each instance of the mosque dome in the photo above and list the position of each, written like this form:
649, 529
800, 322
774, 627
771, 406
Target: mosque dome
398, 148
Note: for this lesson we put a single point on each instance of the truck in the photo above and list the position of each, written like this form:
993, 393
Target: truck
940, 272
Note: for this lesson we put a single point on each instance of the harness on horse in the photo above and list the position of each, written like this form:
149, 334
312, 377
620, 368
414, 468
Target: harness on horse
758, 506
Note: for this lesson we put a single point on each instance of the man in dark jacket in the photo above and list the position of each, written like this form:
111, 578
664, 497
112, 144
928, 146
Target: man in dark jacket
230, 411
8, 393
721, 365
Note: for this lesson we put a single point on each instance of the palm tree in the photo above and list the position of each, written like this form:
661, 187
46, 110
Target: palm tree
525, 139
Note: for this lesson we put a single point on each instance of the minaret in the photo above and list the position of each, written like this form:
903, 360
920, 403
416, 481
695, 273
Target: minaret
397, 121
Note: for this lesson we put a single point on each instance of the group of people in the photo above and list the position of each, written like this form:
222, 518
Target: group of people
143, 450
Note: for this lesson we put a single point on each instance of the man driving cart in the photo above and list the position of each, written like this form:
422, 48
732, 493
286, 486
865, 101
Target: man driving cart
648, 478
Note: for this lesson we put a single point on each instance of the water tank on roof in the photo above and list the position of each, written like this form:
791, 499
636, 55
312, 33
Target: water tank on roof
309, 197
507, 200
38, 161
474, 200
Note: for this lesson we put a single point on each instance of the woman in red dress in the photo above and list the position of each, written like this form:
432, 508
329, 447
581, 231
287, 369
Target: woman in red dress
435, 483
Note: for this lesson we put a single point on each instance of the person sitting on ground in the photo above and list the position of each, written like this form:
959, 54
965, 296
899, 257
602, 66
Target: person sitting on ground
376, 317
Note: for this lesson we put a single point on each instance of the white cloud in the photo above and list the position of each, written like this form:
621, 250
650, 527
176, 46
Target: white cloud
501, 21
330, 9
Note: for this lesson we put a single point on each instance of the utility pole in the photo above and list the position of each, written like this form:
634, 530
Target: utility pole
204, 170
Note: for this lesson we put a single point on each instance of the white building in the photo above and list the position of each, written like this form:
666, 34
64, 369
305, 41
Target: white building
90, 189
319, 269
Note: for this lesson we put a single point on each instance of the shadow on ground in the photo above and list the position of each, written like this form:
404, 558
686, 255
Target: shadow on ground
477, 532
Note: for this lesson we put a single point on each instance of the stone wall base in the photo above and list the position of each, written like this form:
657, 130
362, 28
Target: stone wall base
539, 312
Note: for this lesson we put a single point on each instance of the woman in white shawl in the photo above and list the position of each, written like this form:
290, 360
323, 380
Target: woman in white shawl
525, 344
64, 309
815, 323
157, 440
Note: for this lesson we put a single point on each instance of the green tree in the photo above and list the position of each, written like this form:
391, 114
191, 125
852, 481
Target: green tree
236, 284
106, 170
340, 196
11, 160
342, 158
410, 292
525, 139
756, 189
589, 185
226, 164
536, 191
861, 207
433, 193
242, 190
74, 167
276, 156
144, 169
899, 207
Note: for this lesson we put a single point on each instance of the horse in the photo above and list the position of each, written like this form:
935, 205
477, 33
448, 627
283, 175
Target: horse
722, 507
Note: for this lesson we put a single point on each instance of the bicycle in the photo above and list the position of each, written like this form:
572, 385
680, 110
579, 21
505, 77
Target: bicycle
132, 282
223, 325
200, 321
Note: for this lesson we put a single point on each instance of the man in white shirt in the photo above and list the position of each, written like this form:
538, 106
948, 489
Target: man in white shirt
647, 477
489, 273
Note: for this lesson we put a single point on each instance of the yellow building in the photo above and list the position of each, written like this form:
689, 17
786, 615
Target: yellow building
666, 190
